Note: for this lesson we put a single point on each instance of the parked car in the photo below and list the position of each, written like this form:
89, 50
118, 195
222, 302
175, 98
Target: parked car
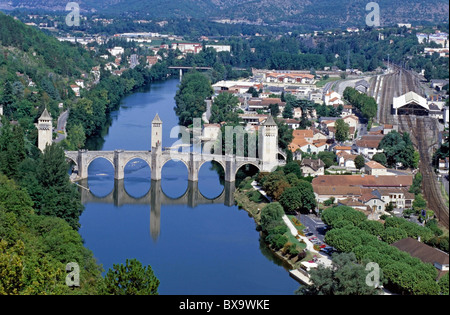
309, 234
328, 250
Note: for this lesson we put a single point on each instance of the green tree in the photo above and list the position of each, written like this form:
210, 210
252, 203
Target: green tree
76, 137
60, 198
292, 168
288, 111
360, 162
224, 109
398, 148
298, 198
419, 203
12, 149
273, 212
380, 158
342, 130
11, 268
285, 134
131, 279
274, 110
190, 98
344, 277
417, 184
443, 284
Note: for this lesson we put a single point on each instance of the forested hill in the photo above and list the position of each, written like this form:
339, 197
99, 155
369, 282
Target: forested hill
36, 71
315, 14
61, 58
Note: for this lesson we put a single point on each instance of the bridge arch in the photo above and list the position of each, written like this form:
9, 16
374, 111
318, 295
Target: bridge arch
137, 177
238, 177
175, 171
104, 157
211, 180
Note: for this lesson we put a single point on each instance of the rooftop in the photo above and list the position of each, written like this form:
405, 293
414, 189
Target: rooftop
425, 253
375, 165
364, 180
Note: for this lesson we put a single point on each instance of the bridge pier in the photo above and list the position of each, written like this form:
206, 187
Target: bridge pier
119, 172
230, 189
230, 170
156, 166
194, 166
82, 164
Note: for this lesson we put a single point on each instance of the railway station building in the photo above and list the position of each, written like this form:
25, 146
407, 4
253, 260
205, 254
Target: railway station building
410, 103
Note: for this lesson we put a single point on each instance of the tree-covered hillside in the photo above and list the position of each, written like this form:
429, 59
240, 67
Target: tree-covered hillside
36, 71
312, 13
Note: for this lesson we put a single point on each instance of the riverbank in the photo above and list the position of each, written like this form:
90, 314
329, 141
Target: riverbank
247, 200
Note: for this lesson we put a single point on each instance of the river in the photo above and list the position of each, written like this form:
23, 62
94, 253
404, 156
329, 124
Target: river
206, 249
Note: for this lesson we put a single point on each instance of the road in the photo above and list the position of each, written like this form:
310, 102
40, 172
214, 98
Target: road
314, 225
62, 121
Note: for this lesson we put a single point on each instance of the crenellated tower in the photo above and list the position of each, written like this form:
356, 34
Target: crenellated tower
45, 130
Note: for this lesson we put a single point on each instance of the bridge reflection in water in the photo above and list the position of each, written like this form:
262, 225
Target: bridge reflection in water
155, 197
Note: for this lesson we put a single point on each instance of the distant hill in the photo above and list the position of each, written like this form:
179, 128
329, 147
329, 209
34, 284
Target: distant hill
313, 13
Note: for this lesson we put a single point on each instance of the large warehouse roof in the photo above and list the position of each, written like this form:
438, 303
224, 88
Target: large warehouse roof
408, 98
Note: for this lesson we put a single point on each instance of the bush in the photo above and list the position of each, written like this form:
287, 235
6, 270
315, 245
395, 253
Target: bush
432, 225
302, 255
255, 196
329, 202
273, 212
292, 250
277, 241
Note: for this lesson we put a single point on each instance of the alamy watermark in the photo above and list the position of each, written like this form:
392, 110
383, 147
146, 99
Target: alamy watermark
373, 277
73, 18
373, 18
73, 277
238, 141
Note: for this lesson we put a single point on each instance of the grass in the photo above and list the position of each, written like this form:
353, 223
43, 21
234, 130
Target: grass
445, 195
322, 83
252, 207
297, 224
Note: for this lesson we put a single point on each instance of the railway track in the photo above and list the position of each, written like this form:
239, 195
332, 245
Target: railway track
421, 129
430, 185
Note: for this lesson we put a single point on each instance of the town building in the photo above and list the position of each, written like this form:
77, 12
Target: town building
425, 253
368, 145
220, 48
311, 167
374, 168
185, 48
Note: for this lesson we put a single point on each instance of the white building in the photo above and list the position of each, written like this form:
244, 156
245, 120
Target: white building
375, 168
116, 51
192, 48
333, 98
220, 48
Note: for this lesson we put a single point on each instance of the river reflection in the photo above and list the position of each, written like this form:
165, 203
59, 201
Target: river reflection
155, 197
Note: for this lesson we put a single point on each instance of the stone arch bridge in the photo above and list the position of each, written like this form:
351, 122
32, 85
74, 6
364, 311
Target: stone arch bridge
157, 159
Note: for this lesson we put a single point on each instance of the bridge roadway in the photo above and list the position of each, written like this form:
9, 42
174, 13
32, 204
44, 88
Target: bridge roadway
155, 197
157, 158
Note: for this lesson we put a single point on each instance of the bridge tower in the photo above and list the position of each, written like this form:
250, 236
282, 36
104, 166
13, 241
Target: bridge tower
156, 132
45, 130
268, 145
156, 148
